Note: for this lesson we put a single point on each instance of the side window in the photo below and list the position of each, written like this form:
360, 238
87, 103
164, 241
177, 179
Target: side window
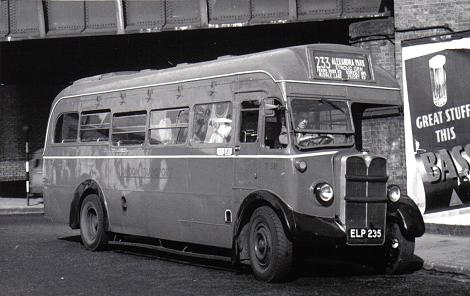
66, 128
249, 121
94, 126
129, 128
212, 123
275, 131
168, 126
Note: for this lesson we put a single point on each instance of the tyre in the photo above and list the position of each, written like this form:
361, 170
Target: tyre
399, 250
92, 224
271, 252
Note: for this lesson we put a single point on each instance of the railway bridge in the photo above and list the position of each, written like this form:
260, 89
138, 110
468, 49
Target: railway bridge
47, 44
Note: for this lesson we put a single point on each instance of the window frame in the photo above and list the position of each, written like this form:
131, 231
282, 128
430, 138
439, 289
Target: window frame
144, 130
149, 127
319, 98
240, 121
348, 133
263, 116
105, 142
207, 144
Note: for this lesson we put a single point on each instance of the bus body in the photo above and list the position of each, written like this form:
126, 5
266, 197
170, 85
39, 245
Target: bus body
216, 154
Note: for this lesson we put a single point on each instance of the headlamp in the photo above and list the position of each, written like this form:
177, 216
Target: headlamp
393, 193
324, 193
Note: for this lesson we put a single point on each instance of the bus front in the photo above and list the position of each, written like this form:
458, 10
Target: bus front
340, 193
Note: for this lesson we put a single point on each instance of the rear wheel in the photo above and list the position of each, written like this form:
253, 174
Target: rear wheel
92, 224
271, 252
399, 251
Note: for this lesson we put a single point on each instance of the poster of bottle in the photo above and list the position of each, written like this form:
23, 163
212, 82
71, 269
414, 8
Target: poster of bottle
436, 88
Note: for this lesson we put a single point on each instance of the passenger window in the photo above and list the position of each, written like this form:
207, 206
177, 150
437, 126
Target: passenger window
275, 131
212, 123
169, 126
249, 121
66, 128
94, 126
129, 128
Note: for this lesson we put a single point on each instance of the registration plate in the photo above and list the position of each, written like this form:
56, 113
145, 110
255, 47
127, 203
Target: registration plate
361, 233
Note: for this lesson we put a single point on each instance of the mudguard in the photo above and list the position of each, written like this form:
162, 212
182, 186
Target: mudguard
407, 215
87, 186
264, 198
249, 204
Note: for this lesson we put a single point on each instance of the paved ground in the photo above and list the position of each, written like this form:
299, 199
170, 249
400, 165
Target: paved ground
18, 206
445, 252
41, 258
442, 253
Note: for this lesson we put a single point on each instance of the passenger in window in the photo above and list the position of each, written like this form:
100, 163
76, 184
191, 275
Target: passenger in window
222, 130
165, 134
183, 118
202, 125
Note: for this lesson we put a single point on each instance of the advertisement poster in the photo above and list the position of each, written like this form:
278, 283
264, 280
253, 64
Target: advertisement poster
437, 121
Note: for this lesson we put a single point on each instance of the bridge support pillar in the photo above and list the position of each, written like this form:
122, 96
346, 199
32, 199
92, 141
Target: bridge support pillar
378, 36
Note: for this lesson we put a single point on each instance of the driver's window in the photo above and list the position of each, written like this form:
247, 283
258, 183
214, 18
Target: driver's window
321, 122
275, 131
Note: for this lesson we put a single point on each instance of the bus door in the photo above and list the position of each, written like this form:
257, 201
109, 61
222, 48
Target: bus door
247, 144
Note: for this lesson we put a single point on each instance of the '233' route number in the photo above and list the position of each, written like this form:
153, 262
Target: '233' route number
323, 62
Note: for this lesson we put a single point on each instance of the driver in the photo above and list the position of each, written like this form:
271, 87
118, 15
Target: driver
314, 138
303, 124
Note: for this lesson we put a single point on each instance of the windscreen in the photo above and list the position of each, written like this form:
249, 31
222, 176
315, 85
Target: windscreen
321, 122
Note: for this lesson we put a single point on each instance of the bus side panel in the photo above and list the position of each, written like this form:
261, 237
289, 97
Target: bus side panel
128, 180
60, 171
93, 167
295, 188
166, 195
210, 185
61, 176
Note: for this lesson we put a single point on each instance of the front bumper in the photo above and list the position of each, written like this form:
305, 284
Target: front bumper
310, 229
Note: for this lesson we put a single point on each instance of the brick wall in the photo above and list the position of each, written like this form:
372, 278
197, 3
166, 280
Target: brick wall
385, 136
431, 17
20, 105
11, 158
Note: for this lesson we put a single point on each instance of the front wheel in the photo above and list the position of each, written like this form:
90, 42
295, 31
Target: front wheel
92, 224
398, 255
271, 252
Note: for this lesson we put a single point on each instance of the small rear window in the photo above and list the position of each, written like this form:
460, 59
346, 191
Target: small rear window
66, 128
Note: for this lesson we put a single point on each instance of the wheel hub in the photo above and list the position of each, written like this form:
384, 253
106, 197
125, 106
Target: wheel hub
92, 219
262, 245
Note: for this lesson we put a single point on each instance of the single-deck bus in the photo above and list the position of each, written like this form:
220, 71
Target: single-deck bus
257, 155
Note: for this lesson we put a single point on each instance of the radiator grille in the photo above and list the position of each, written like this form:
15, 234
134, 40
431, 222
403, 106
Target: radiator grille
377, 168
363, 181
366, 197
356, 166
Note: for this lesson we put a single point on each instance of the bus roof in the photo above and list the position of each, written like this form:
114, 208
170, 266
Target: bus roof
285, 64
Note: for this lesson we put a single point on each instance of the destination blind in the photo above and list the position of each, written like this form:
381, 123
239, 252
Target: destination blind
340, 66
